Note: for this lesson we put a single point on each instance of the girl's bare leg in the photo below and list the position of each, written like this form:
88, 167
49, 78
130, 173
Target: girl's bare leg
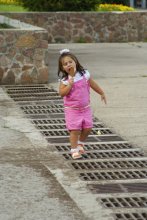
74, 136
84, 134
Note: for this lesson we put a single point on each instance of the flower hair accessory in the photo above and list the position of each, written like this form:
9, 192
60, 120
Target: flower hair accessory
64, 51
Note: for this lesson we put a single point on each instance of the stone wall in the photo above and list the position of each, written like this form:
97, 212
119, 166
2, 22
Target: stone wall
23, 54
89, 26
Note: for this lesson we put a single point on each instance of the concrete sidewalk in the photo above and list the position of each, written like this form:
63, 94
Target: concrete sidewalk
35, 181
121, 70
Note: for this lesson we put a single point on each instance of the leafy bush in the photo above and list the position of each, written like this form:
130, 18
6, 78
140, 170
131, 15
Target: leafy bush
60, 5
123, 2
113, 7
10, 2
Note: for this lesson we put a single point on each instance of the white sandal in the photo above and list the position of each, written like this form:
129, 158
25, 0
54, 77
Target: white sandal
75, 154
81, 148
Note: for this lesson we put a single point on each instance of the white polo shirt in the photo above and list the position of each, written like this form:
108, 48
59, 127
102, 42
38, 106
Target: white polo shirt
77, 77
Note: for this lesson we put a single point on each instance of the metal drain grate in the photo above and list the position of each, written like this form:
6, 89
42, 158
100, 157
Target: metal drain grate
108, 154
32, 94
35, 98
46, 116
63, 139
28, 90
53, 121
48, 121
58, 126
109, 165
43, 111
61, 126
97, 146
116, 175
38, 107
126, 202
65, 132
40, 103
118, 188
131, 216
24, 86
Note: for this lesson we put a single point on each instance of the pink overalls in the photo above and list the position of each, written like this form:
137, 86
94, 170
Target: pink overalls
78, 114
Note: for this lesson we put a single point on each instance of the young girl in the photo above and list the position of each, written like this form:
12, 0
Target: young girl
75, 89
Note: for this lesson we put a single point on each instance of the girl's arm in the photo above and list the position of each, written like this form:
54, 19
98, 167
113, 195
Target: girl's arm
98, 89
65, 89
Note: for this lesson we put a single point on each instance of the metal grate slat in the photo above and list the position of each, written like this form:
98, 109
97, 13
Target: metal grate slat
52, 121
97, 146
61, 126
43, 111
32, 94
111, 154
109, 165
60, 132
24, 86
36, 98
124, 202
116, 175
131, 216
48, 121
118, 188
29, 90
38, 107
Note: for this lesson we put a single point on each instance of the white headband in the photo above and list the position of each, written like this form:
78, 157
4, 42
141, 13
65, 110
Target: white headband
64, 51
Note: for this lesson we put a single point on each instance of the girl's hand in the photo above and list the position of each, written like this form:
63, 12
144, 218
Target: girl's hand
72, 71
71, 81
103, 98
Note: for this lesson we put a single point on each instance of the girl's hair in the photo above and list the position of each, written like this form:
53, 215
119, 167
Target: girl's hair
62, 72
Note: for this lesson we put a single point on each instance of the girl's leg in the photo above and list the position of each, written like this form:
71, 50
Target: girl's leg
74, 136
84, 134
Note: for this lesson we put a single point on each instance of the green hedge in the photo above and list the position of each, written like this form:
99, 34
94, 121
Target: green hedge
123, 2
60, 5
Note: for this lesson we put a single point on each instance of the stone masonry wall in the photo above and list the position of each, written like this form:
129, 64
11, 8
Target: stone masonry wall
89, 26
22, 56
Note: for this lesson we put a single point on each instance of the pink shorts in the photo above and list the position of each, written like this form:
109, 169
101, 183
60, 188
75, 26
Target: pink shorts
78, 119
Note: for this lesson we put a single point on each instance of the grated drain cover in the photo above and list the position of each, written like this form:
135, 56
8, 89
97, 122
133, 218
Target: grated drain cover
108, 154
50, 127
113, 175
43, 111
65, 139
64, 132
28, 90
97, 146
109, 165
131, 216
38, 107
118, 188
48, 121
32, 94
124, 202
51, 121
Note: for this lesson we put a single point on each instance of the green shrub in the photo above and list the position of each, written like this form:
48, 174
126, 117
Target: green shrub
60, 5
114, 7
123, 2
9, 2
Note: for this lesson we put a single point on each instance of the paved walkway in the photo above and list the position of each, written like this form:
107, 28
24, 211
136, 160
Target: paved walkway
35, 181
121, 70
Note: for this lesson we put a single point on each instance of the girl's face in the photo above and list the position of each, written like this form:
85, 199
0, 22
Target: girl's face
69, 65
